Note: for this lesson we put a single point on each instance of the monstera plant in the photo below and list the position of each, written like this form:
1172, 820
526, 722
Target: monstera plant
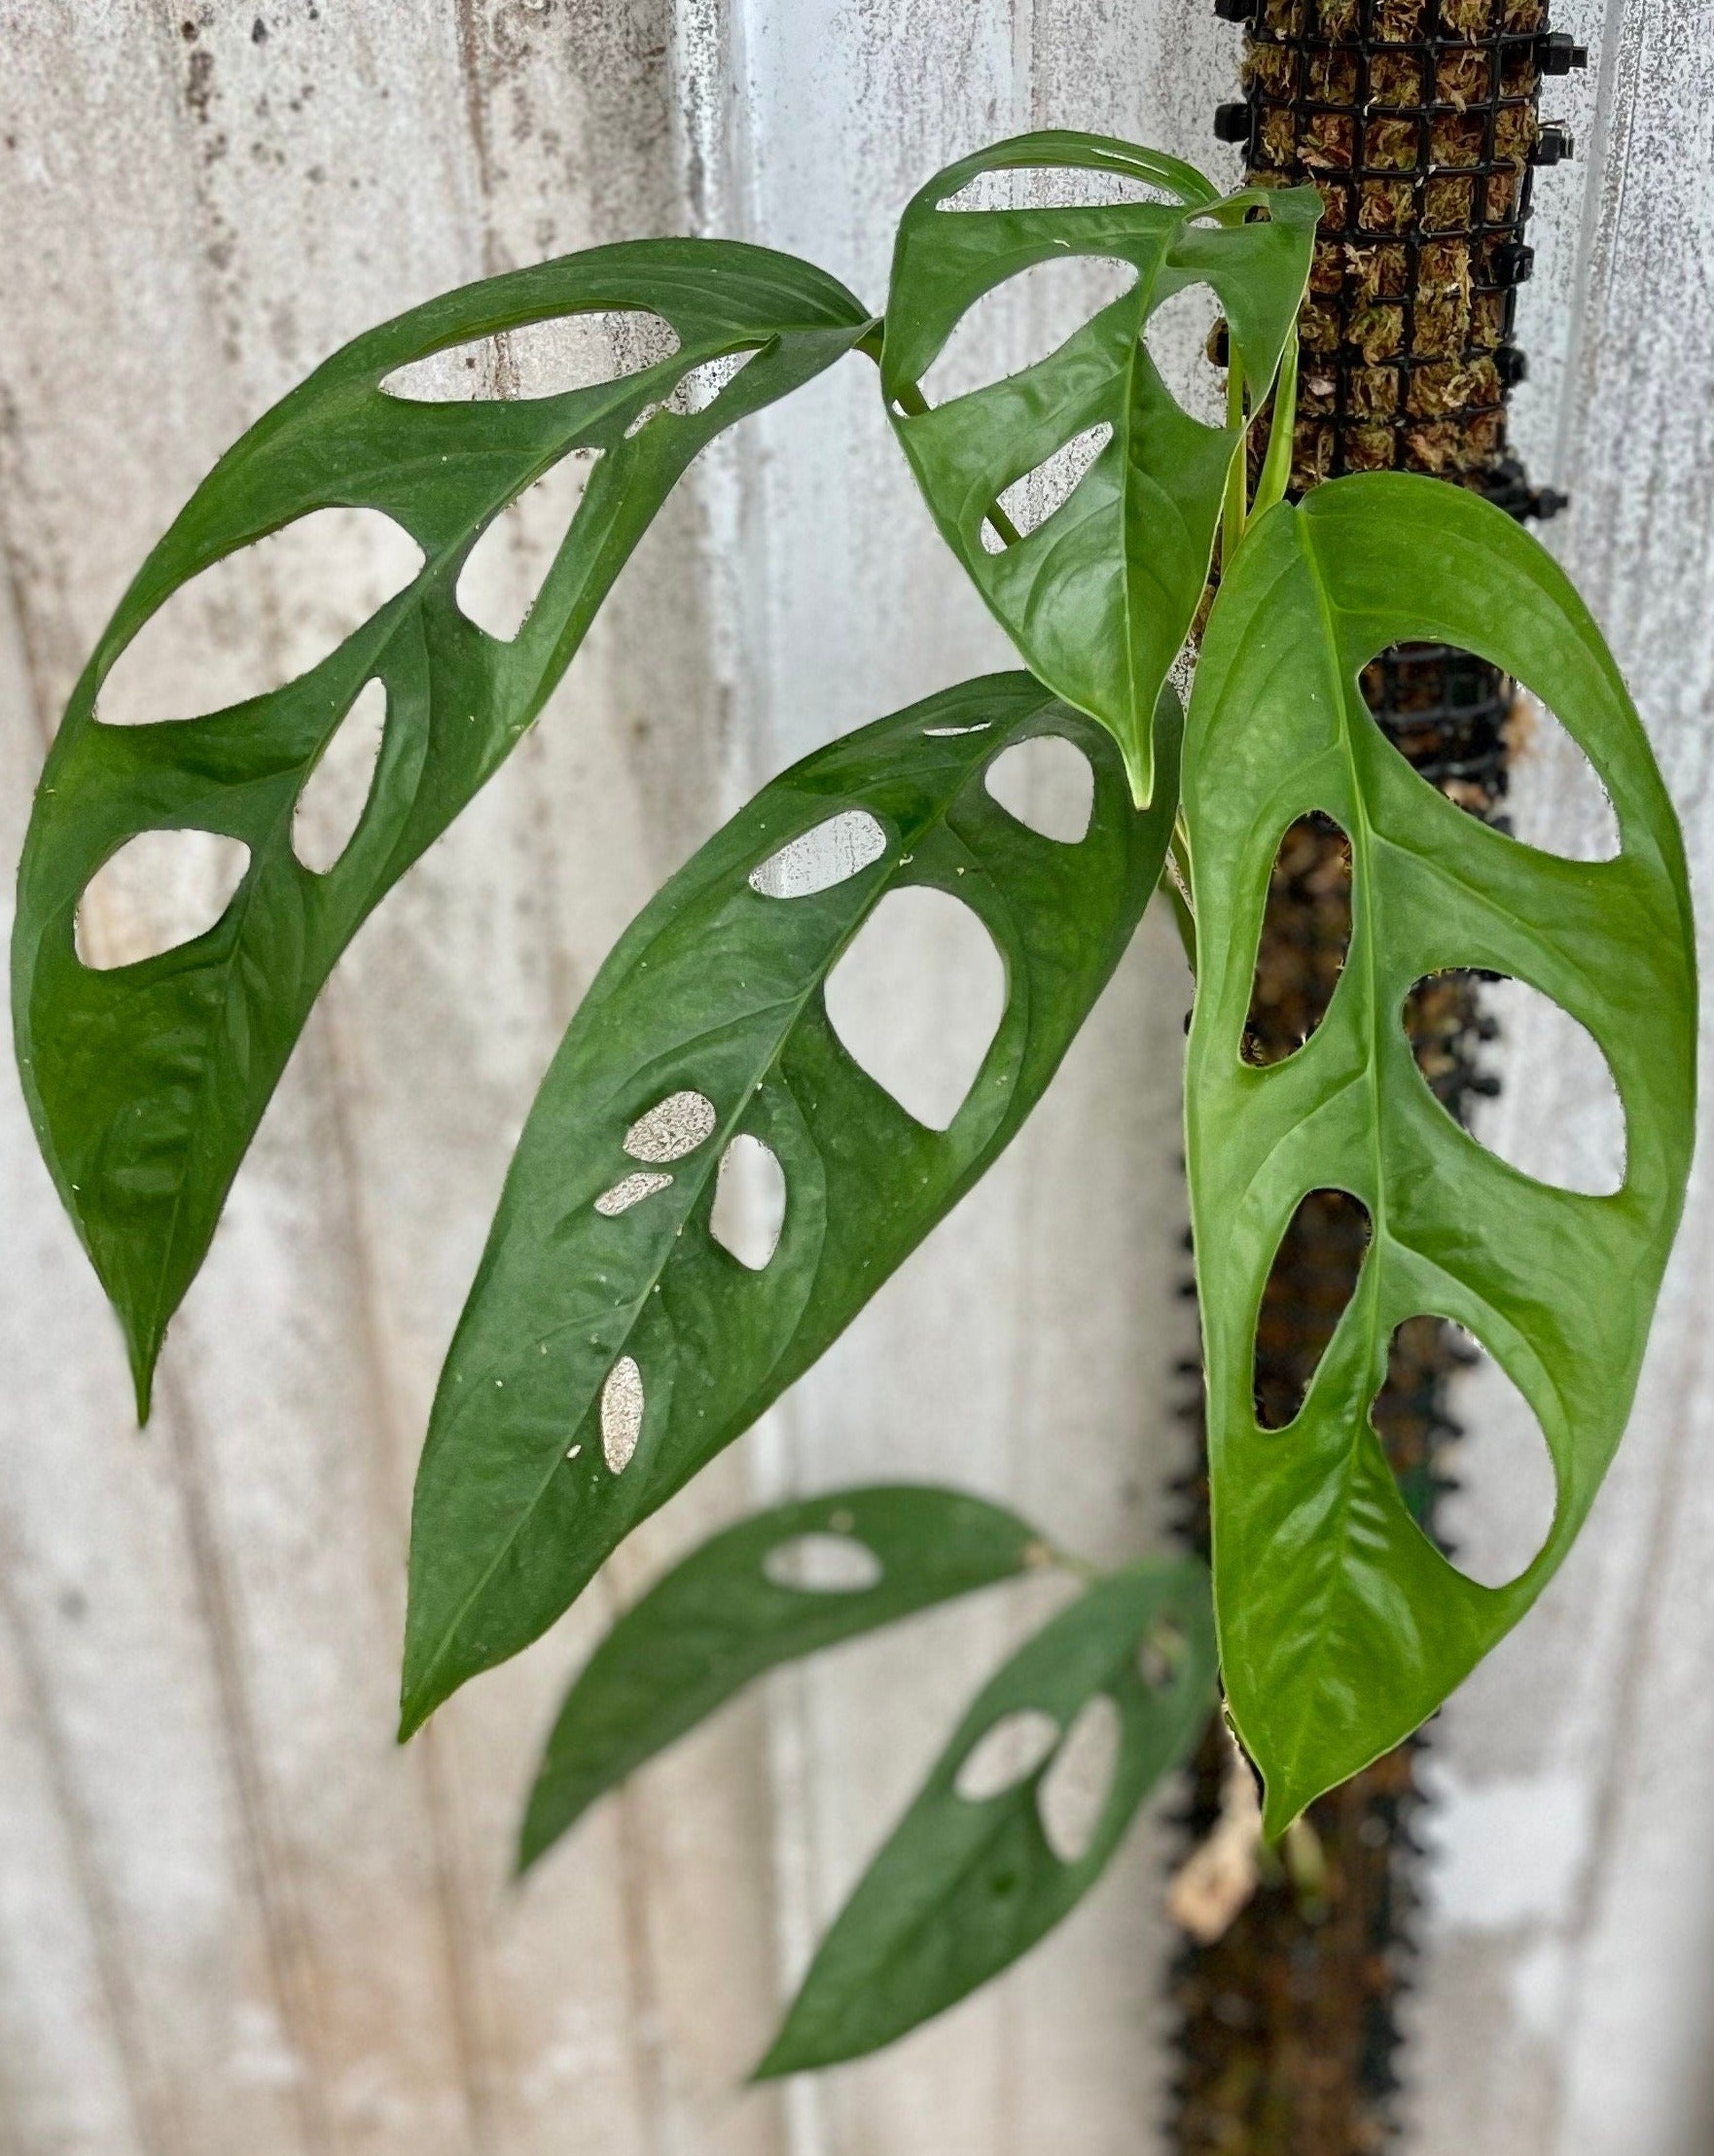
614, 1341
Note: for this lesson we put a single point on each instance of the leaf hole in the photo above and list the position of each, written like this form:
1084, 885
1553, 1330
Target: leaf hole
260, 617
1557, 1116
622, 1413
1177, 335
1048, 784
1465, 1446
1022, 321
1028, 502
830, 854
160, 889
1007, 1752
1554, 798
335, 793
1306, 935
539, 359
673, 1128
749, 1202
1073, 1794
1055, 186
917, 1000
1312, 1279
824, 1564
629, 1190
1161, 1654
504, 571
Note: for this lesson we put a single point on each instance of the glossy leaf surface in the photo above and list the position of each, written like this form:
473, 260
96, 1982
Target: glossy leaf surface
722, 1616
715, 995
146, 1081
966, 1884
1341, 1627
1099, 597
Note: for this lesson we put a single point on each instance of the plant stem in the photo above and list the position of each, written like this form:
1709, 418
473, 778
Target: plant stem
1232, 521
1276, 466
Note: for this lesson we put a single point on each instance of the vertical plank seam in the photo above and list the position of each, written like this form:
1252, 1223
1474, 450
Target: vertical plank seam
290, 1966
463, 1984
155, 2118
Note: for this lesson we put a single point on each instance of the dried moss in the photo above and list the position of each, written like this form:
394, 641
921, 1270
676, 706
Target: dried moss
1332, 76
1272, 67
1502, 196
1311, 455
1336, 17
1487, 319
1378, 332
1517, 72
1443, 387
1374, 392
1336, 208
1397, 21
1524, 14
1443, 269
1318, 326
1385, 205
1395, 79
1327, 266
1378, 270
1447, 204
1463, 78
1514, 132
1368, 448
1316, 392
1439, 328
1392, 145
1458, 138
1277, 145
1327, 141
1465, 18
1284, 17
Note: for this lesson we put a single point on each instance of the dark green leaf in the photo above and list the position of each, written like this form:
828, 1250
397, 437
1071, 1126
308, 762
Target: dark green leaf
146, 1082
581, 1317
968, 1883
1340, 1625
1101, 595
728, 1613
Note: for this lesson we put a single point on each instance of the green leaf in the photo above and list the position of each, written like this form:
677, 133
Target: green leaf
968, 1883
728, 1613
1340, 1626
713, 1001
1099, 597
147, 1081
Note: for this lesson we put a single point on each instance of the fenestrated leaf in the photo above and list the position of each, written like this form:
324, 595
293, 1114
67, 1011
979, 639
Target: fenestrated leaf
1340, 1625
1099, 597
966, 1884
147, 1081
610, 1349
722, 1616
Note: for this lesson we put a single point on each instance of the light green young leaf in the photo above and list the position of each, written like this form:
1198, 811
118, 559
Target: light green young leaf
969, 1880
611, 1344
737, 1606
147, 1081
1340, 1626
1100, 595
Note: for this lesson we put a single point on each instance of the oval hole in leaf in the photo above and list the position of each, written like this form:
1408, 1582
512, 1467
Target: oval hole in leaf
1313, 1278
1446, 711
830, 853
1176, 335
1306, 935
1048, 784
1038, 186
1492, 1470
627, 1192
258, 617
622, 1413
1557, 1116
673, 1128
1007, 1752
1028, 502
160, 889
503, 572
824, 1564
1074, 1791
1554, 798
540, 359
1161, 1654
749, 1202
1021, 321
917, 999
335, 793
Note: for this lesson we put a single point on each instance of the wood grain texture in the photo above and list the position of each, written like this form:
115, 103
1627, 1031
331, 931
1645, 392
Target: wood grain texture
231, 1914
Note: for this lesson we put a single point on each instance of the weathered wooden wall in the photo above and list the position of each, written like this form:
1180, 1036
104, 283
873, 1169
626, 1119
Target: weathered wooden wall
231, 1914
